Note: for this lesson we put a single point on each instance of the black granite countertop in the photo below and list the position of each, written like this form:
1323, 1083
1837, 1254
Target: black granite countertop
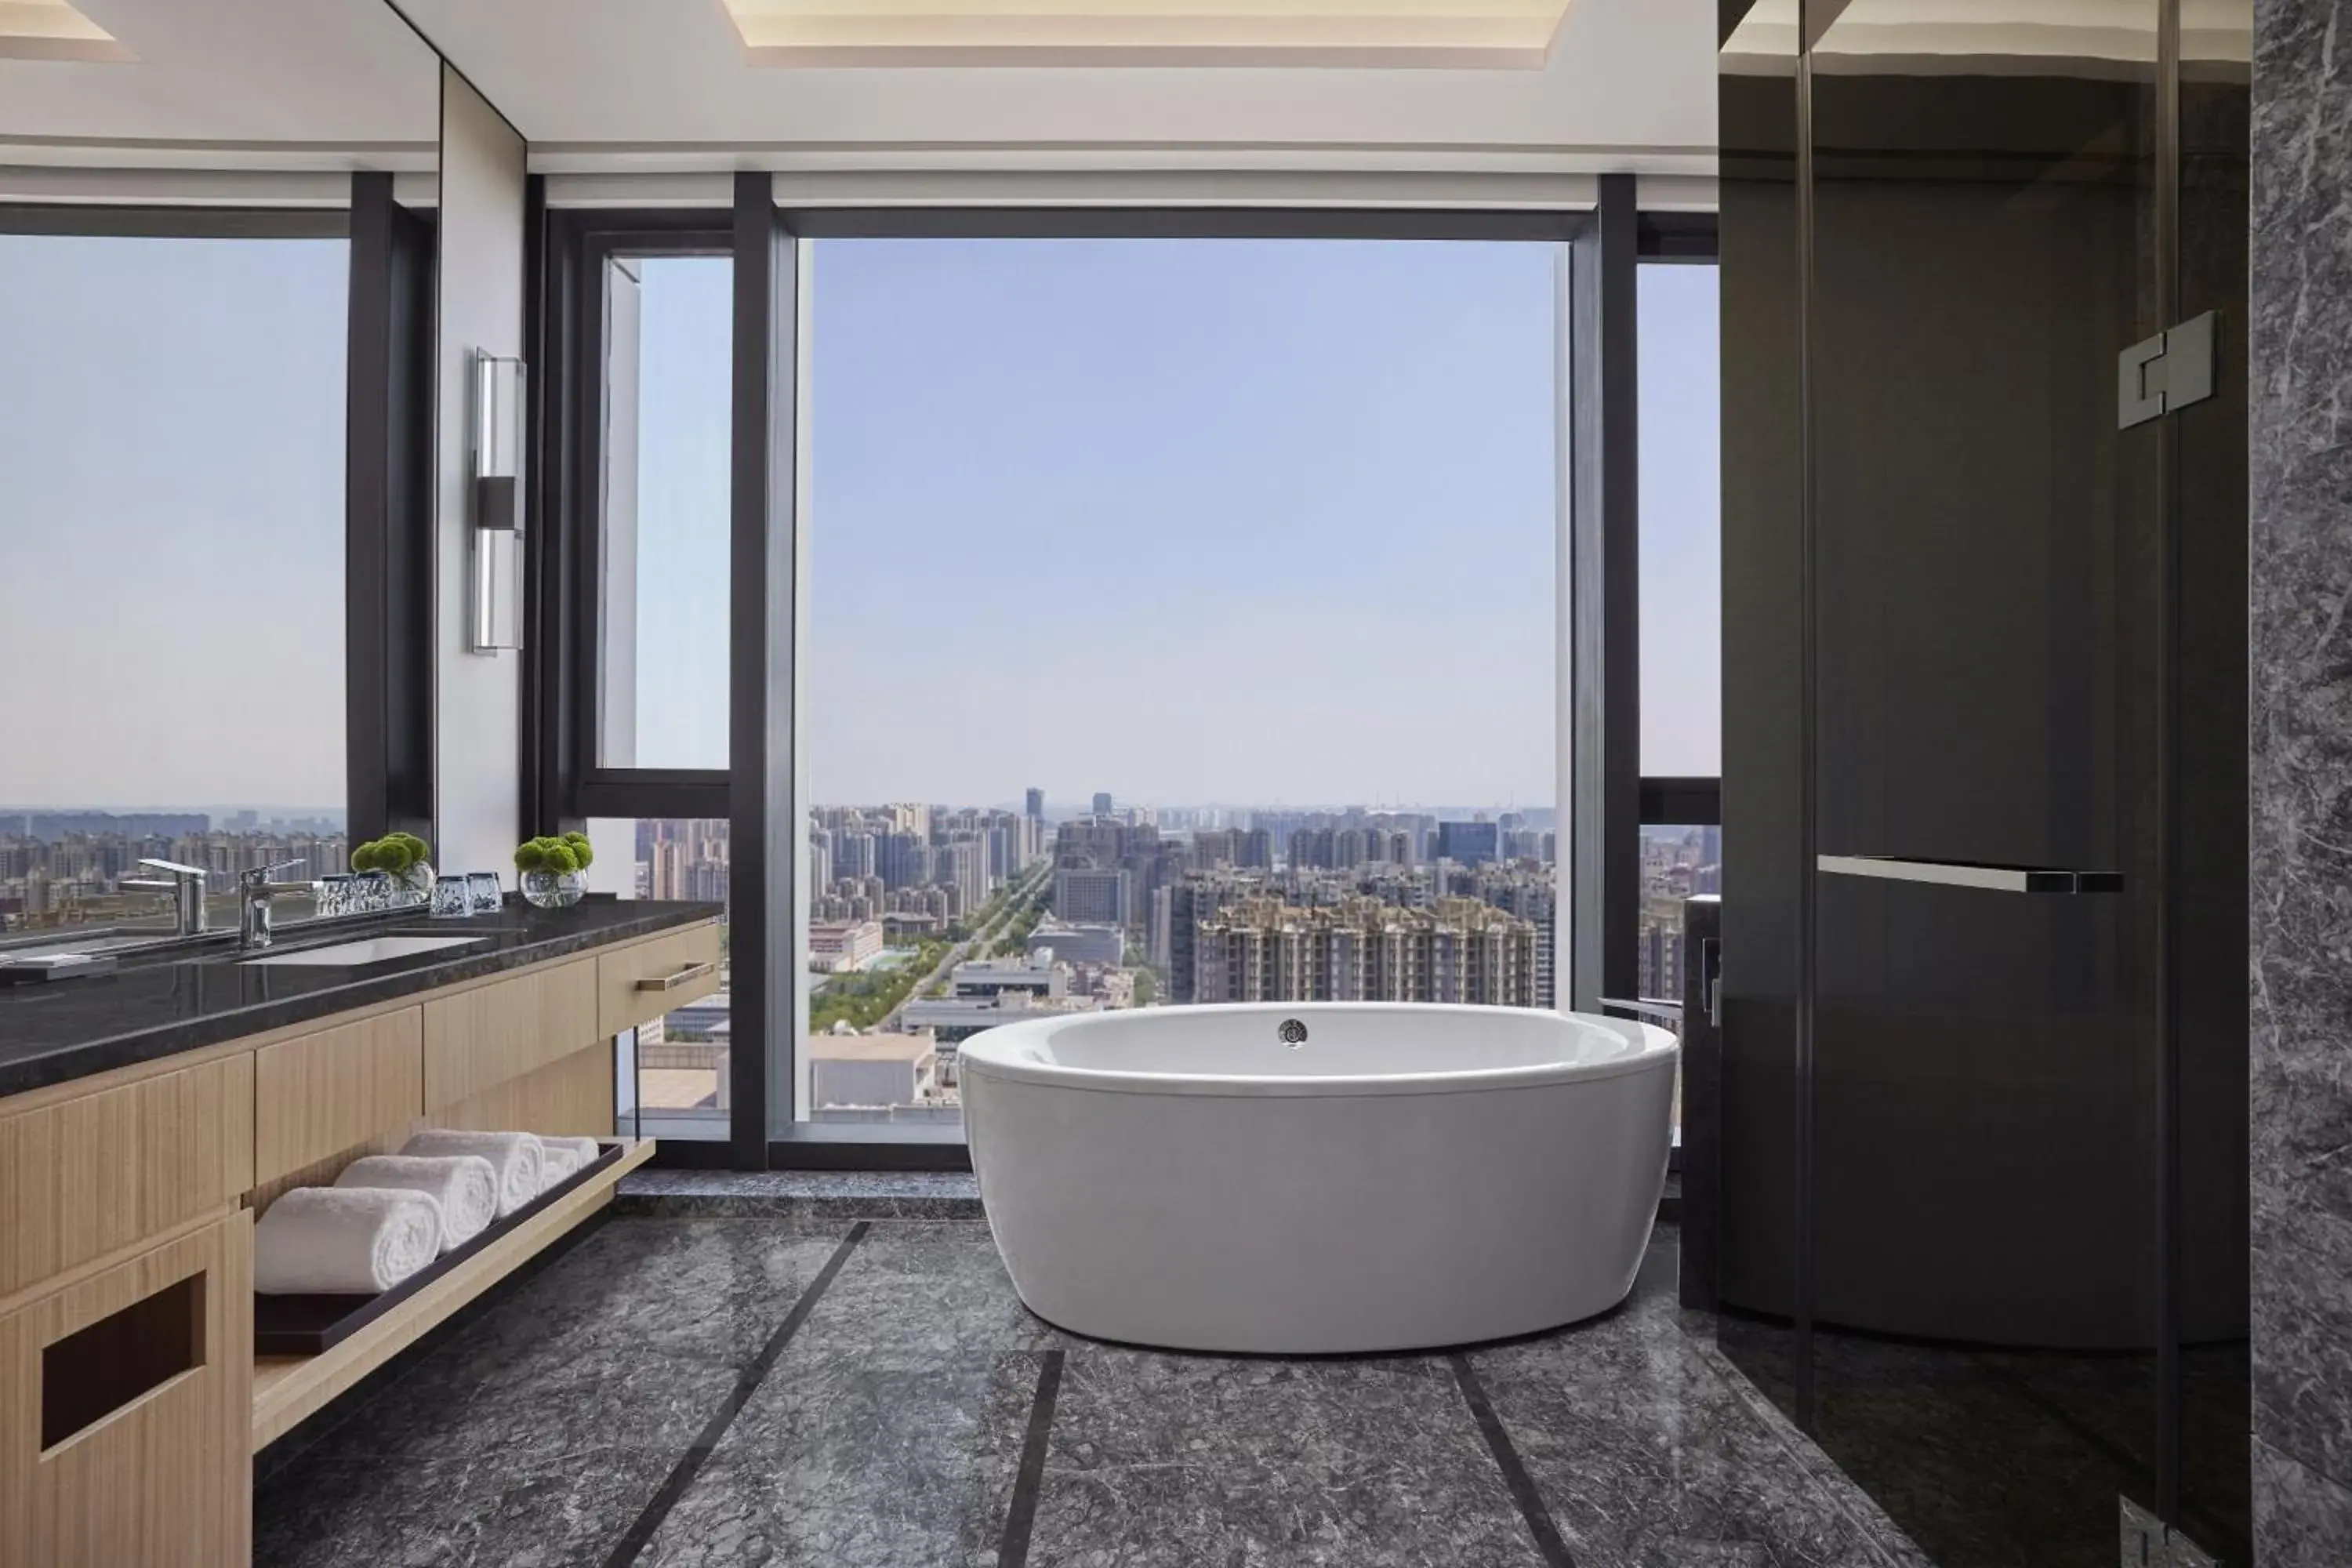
160, 1005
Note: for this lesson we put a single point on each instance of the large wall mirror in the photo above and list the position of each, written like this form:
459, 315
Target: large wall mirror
216, 243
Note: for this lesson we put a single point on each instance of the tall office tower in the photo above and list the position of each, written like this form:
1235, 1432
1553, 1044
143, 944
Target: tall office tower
1034, 803
1468, 842
1102, 802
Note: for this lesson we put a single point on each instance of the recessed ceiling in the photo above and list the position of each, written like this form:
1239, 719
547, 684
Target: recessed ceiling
640, 86
1423, 34
53, 30
280, 85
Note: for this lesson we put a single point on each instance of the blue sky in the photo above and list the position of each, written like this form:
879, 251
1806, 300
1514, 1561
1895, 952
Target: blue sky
1191, 521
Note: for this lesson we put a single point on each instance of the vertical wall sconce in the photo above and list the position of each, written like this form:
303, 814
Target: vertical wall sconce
495, 523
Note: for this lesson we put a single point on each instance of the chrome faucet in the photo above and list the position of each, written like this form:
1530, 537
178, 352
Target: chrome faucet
187, 886
254, 892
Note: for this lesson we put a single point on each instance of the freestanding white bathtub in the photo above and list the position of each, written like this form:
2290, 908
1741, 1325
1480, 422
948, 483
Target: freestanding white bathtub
1312, 1178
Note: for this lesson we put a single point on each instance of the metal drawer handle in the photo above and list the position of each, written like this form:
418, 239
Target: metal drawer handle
672, 981
1966, 874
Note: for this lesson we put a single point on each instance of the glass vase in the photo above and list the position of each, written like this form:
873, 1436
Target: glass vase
554, 889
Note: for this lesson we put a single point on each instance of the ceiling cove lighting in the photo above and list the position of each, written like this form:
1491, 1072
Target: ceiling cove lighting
53, 30
1509, 33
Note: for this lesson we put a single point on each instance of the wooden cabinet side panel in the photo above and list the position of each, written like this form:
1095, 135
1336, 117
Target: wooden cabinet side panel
163, 1481
81, 1178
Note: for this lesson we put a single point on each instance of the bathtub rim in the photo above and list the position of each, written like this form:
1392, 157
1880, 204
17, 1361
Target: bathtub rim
995, 1054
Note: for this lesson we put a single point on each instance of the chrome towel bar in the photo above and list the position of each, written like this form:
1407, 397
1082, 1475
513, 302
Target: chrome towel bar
1971, 874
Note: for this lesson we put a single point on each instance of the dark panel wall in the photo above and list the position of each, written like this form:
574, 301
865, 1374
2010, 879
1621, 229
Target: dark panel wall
1985, 1085
1763, 697
1979, 1149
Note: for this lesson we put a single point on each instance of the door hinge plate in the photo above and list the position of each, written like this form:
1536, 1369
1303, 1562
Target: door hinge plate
2168, 372
2148, 1542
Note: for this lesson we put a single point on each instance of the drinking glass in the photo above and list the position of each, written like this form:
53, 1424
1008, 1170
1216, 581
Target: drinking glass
488, 893
452, 897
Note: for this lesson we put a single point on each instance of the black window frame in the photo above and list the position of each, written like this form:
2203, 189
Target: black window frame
566, 588
562, 789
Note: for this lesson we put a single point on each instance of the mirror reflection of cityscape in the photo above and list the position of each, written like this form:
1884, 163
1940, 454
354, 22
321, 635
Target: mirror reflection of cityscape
929, 923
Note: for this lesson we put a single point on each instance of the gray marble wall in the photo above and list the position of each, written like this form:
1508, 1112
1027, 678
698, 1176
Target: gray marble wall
2301, 352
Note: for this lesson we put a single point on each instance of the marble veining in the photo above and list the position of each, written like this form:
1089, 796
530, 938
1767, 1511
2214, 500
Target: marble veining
890, 1427
2300, 780
540, 1430
1161, 1461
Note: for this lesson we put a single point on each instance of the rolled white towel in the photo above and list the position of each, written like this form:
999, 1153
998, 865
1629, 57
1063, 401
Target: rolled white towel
564, 1158
517, 1157
343, 1241
465, 1186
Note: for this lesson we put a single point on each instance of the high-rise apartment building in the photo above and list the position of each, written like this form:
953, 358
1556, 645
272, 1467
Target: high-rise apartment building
1363, 950
1094, 895
1102, 802
1034, 803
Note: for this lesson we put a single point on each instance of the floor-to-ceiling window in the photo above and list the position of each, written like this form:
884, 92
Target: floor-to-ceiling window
172, 519
1681, 611
1181, 628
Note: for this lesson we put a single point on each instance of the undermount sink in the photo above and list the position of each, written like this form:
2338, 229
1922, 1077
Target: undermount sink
373, 949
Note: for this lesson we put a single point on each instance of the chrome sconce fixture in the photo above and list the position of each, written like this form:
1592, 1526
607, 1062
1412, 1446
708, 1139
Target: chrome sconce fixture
494, 521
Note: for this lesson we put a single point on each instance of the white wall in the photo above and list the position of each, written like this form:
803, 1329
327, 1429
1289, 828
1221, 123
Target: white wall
477, 714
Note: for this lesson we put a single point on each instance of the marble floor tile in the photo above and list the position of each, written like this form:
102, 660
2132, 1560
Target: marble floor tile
1163, 1462
555, 1505
538, 1432
839, 1463
638, 1333
1647, 1454
890, 1429
917, 1295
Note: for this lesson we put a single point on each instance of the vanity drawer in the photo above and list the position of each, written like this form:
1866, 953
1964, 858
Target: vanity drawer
480, 1038
645, 981
125, 1424
80, 1178
317, 1095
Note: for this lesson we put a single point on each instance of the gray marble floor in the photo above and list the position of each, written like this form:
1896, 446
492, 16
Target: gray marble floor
799, 1389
